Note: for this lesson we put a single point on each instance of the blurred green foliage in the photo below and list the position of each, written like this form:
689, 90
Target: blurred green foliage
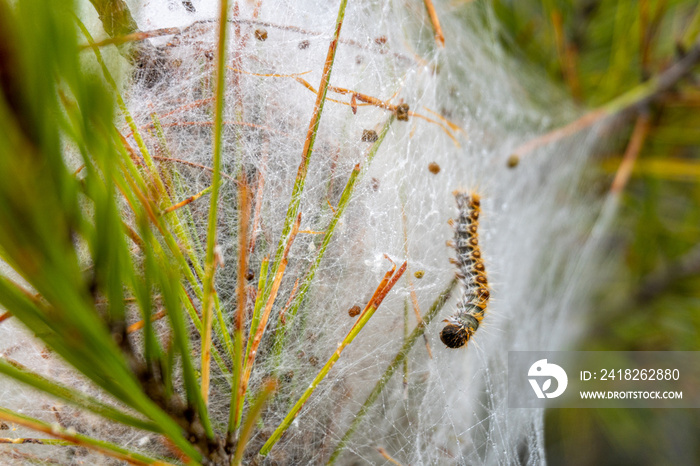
63, 165
598, 50
59, 220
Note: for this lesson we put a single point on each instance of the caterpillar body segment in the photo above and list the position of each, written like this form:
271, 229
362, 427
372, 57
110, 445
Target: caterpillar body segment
471, 272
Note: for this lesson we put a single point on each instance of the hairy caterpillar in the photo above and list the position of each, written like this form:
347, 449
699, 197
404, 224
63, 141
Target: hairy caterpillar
471, 272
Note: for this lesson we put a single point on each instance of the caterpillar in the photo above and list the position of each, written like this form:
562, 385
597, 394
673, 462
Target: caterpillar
470, 271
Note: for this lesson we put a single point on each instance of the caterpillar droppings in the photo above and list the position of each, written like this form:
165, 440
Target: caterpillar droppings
470, 271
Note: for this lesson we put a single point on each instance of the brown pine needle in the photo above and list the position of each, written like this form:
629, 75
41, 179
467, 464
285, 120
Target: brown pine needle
312, 232
306, 84
387, 283
289, 301
145, 203
35, 297
189, 298
439, 37
639, 134
369, 100
330, 205
136, 326
187, 201
453, 126
191, 105
256, 10
445, 129
248, 367
135, 158
386, 456
192, 164
377, 300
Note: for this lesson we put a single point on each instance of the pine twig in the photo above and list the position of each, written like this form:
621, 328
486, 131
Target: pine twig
439, 36
636, 99
389, 372
387, 283
210, 262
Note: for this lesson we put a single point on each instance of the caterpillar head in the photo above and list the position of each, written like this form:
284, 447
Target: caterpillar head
458, 331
